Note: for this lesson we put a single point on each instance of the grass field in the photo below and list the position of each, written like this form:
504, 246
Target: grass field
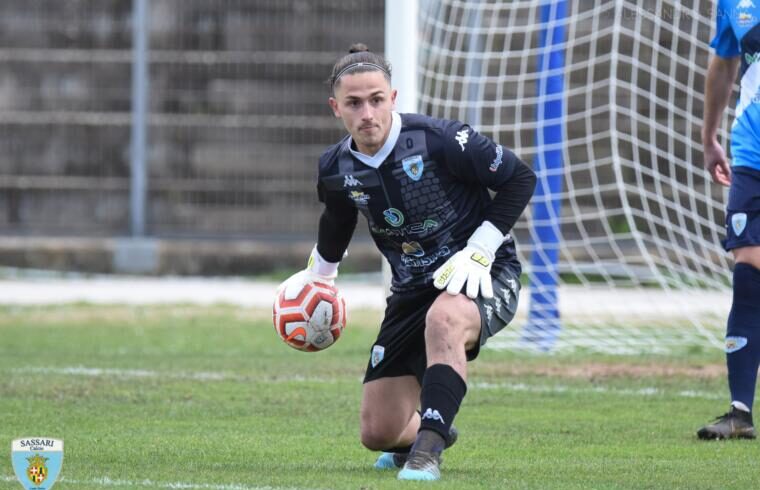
208, 398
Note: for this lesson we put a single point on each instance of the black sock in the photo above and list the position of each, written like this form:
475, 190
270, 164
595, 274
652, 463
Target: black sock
399, 449
442, 392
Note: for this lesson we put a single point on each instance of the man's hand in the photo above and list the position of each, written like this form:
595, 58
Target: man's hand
471, 265
716, 163
317, 270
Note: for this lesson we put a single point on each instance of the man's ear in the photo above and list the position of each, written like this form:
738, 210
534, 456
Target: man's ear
334, 106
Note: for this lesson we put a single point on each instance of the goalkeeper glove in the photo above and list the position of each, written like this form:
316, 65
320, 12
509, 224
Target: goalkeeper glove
472, 264
317, 270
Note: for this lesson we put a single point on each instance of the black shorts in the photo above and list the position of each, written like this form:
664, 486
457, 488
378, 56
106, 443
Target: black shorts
399, 349
743, 214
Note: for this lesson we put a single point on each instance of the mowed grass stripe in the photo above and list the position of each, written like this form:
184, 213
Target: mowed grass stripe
111, 482
206, 376
213, 398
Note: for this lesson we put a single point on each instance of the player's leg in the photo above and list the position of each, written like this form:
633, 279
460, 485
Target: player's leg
389, 417
456, 328
452, 326
743, 326
742, 349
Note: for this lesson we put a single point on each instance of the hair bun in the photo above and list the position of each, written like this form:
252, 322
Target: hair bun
358, 48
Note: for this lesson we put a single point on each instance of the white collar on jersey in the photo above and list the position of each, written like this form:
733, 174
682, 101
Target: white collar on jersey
378, 158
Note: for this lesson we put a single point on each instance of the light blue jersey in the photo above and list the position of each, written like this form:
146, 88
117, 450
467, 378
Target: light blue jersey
738, 34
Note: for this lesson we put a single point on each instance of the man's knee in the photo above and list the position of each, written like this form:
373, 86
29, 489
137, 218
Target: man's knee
377, 437
748, 255
379, 432
454, 318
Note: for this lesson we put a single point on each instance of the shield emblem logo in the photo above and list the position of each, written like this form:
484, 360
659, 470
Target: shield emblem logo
413, 167
37, 461
738, 222
378, 352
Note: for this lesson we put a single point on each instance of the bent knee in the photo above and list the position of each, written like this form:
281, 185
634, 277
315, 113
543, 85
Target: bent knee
452, 317
377, 437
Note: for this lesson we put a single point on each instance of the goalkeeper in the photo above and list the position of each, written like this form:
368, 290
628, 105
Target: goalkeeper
423, 186
738, 41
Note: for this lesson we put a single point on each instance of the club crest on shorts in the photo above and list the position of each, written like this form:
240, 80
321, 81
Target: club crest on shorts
37, 461
378, 352
734, 344
739, 222
413, 166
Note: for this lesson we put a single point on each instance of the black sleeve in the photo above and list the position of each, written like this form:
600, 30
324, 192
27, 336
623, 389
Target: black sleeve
511, 198
475, 159
336, 226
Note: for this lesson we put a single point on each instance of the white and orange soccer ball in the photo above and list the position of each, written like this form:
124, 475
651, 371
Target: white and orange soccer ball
308, 315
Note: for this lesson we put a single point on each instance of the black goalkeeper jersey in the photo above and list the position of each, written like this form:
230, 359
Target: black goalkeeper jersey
426, 197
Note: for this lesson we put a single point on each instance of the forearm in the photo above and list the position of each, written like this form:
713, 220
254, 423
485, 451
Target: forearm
512, 198
335, 232
718, 88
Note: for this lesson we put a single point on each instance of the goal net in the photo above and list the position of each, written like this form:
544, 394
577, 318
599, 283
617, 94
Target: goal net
621, 243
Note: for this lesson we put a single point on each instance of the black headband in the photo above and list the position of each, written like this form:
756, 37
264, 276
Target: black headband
357, 65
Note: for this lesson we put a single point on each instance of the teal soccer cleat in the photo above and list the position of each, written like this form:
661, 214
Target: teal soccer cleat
390, 461
421, 466
395, 461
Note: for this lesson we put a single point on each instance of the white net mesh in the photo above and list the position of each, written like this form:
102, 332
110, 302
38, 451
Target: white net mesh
639, 262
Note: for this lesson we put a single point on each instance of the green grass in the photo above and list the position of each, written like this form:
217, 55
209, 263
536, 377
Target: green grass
209, 397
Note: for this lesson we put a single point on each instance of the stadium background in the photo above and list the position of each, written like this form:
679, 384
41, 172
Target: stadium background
237, 119
238, 116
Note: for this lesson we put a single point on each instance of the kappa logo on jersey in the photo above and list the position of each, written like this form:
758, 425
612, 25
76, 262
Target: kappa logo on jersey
497, 303
413, 248
378, 352
413, 166
351, 181
433, 415
462, 137
745, 4
497, 161
394, 217
739, 222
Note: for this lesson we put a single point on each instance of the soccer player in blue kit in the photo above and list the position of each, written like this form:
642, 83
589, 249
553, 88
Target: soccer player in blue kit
738, 42
423, 186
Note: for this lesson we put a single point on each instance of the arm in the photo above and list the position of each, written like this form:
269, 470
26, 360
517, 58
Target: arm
512, 197
336, 227
719, 85
475, 159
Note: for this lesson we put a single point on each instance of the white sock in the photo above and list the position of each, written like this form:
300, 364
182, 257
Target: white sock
740, 406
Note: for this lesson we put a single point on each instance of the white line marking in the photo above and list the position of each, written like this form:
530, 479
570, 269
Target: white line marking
640, 392
109, 482
202, 376
205, 376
